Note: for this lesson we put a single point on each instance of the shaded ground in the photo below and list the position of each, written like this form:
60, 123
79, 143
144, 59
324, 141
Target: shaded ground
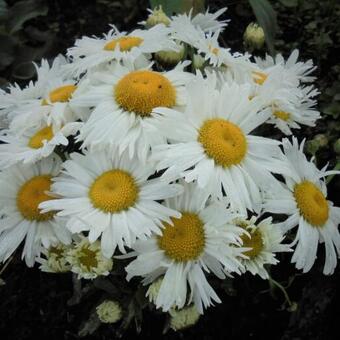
35, 304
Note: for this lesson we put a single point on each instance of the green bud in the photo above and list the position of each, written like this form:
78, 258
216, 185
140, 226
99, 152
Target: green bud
157, 17
254, 36
198, 62
171, 58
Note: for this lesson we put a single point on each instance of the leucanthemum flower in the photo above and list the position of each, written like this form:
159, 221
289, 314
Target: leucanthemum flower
299, 110
206, 22
54, 259
110, 195
263, 240
22, 189
124, 101
304, 199
201, 240
135, 47
206, 44
33, 144
294, 71
54, 91
87, 261
211, 143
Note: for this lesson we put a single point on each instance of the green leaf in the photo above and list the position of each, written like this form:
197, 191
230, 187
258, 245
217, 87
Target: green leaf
22, 11
171, 7
266, 17
290, 3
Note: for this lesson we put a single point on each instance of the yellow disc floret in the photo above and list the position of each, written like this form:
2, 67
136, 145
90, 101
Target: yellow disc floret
312, 203
114, 191
61, 94
223, 141
185, 240
282, 115
255, 241
259, 77
31, 194
36, 141
141, 91
88, 258
125, 43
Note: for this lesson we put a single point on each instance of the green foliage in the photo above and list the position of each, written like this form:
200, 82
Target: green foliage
171, 7
20, 43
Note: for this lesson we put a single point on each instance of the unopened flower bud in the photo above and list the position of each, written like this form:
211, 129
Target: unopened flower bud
171, 58
157, 16
109, 311
254, 36
183, 318
198, 61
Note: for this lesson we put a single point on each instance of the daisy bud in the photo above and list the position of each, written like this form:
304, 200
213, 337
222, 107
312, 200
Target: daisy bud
171, 58
157, 16
109, 311
153, 290
197, 61
183, 318
254, 36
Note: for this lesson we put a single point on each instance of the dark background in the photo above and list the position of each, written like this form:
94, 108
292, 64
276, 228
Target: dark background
35, 304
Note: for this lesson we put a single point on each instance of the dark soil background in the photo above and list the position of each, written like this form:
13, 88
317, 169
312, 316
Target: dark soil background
35, 304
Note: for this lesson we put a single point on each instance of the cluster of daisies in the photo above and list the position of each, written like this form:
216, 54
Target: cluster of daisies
146, 147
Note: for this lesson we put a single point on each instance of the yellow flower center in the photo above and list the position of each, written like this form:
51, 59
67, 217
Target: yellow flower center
31, 194
255, 242
125, 43
213, 50
185, 240
223, 141
61, 94
114, 191
281, 115
312, 203
141, 91
36, 141
259, 77
88, 258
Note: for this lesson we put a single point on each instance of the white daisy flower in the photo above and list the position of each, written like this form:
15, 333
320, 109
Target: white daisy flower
202, 240
13, 97
124, 101
294, 71
33, 144
87, 260
213, 145
303, 199
287, 115
206, 22
206, 44
136, 47
54, 91
110, 195
22, 189
264, 240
